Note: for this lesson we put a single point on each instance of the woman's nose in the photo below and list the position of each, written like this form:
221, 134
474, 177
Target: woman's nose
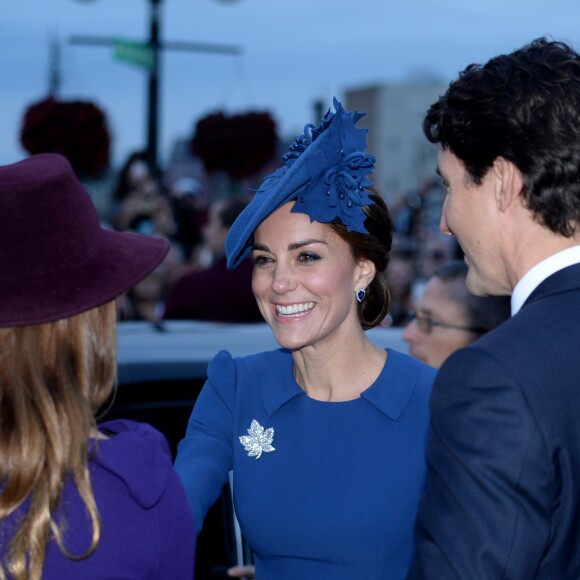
283, 280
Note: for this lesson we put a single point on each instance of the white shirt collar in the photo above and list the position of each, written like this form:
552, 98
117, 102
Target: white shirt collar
536, 275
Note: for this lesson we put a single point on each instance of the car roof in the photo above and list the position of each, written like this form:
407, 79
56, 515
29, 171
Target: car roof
175, 349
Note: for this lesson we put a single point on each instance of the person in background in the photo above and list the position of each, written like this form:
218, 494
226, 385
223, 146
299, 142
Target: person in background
447, 317
145, 301
213, 292
77, 500
133, 170
503, 457
326, 435
189, 214
432, 249
138, 204
400, 277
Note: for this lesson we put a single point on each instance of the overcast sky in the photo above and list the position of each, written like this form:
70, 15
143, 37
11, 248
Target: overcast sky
293, 53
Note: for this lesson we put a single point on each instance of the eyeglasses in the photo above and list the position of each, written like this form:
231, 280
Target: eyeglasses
426, 324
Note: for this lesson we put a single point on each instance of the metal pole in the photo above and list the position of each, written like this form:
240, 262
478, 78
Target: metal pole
153, 93
54, 77
154, 74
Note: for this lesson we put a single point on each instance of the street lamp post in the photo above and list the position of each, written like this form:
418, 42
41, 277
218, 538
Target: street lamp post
153, 92
155, 45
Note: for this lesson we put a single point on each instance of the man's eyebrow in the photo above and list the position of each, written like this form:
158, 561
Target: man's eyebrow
437, 170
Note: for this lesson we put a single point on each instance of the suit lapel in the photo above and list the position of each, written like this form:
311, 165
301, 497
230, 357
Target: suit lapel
562, 281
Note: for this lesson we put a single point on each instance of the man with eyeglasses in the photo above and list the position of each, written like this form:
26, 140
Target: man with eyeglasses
448, 317
502, 497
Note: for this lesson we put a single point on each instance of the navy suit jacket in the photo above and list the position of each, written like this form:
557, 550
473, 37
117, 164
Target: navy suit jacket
503, 486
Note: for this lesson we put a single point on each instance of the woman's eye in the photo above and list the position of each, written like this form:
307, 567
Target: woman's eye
261, 260
307, 257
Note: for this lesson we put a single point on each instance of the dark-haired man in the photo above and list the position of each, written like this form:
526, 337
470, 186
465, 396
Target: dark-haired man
503, 486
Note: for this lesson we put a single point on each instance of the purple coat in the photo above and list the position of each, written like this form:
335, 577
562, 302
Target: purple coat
147, 526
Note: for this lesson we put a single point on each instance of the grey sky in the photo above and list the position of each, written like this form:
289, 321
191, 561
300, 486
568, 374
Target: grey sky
294, 53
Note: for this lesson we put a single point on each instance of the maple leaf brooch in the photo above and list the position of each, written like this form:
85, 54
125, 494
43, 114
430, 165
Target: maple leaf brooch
258, 440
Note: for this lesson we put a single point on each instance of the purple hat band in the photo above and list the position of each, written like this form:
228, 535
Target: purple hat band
55, 258
325, 171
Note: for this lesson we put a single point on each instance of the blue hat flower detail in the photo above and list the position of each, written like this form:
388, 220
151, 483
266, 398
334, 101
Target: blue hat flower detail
325, 172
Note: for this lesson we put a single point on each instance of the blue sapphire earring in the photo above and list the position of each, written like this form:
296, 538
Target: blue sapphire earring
360, 294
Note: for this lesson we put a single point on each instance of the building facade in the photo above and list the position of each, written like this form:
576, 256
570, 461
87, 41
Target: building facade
406, 161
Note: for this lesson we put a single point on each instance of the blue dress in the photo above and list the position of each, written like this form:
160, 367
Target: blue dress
322, 490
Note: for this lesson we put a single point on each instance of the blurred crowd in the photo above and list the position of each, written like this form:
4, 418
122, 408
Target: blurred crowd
193, 282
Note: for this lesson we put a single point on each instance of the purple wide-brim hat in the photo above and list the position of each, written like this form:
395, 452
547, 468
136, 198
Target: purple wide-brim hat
325, 174
55, 258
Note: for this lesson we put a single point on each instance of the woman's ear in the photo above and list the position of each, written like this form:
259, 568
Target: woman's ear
366, 271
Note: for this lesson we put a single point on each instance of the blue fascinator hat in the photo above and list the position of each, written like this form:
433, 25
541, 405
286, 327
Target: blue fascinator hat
325, 171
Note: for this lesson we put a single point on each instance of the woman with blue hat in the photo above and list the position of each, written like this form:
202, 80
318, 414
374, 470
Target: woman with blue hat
326, 435
77, 500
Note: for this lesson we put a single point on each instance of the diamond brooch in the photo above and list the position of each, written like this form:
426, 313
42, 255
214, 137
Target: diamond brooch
258, 440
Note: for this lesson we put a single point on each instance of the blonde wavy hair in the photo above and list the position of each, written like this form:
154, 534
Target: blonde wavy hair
54, 377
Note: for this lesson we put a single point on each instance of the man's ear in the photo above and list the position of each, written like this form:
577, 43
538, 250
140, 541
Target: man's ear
509, 183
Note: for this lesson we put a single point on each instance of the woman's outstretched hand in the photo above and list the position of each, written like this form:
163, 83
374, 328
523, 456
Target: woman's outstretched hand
244, 572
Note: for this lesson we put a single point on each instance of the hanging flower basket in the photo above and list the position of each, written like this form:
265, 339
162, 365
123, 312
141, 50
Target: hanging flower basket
76, 129
238, 145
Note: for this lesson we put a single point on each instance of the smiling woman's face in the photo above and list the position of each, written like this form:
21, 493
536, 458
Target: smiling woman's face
304, 280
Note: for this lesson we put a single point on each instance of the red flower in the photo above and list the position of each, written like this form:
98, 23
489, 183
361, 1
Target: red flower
239, 145
76, 129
